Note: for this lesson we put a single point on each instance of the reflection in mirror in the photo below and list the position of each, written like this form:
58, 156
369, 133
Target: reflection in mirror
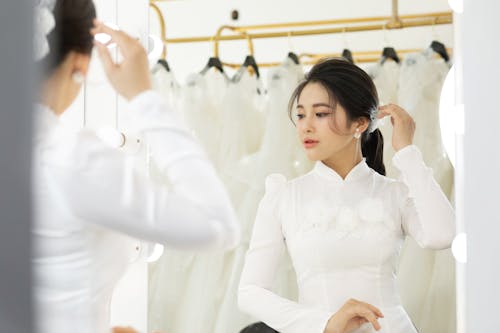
315, 242
305, 187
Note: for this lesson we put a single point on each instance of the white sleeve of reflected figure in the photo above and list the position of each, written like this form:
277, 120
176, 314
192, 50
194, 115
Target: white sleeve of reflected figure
267, 246
100, 184
427, 214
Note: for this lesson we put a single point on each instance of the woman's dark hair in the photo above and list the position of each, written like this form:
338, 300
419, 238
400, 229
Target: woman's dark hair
74, 19
259, 327
349, 86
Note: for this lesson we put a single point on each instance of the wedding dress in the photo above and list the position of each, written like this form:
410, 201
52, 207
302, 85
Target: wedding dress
344, 238
421, 79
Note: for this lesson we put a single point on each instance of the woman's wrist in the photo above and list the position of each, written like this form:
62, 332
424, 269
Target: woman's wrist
332, 324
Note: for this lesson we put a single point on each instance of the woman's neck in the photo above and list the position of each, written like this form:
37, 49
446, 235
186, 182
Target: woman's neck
344, 161
52, 91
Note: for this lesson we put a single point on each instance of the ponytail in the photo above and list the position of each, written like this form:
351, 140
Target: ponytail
372, 146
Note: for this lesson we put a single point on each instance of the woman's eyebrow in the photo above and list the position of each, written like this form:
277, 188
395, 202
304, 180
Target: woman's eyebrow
317, 105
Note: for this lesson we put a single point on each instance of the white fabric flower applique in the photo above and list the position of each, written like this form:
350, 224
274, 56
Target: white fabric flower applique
319, 218
355, 220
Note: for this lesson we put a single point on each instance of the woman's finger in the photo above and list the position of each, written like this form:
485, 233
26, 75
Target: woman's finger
382, 114
375, 310
105, 57
118, 36
370, 316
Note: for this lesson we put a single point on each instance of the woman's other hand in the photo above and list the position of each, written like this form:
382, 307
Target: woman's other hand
352, 315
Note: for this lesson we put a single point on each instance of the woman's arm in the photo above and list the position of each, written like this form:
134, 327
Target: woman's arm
427, 215
100, 185
267, 246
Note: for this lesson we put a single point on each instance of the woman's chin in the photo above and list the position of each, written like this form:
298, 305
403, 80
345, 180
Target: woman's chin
311, 156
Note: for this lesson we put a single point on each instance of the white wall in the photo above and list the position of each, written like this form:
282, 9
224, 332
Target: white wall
481, 48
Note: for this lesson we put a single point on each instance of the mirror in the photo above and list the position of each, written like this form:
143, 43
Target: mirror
320, 234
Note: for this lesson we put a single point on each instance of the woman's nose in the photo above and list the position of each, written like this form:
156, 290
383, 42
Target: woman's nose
308, 125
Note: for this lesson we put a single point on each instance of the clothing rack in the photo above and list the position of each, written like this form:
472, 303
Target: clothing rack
293, 29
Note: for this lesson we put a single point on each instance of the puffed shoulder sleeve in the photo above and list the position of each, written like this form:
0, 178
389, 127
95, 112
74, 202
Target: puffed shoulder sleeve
255, 295
275, 186
427, 214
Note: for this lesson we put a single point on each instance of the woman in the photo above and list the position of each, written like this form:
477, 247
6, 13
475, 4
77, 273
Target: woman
344, 222
88, 198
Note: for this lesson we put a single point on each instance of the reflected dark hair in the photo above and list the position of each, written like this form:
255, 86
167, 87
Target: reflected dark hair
349, 86
74, 19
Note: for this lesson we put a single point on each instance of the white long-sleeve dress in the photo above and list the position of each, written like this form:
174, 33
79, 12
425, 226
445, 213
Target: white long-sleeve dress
344, 237
88, 200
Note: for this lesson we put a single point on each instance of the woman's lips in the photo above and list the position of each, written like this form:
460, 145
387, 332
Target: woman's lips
308, 143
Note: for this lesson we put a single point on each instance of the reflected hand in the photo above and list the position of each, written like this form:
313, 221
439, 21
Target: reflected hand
352, 315
130, 77
404, 125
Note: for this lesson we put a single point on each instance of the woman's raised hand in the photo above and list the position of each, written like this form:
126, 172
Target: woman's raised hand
130, 77
404, 125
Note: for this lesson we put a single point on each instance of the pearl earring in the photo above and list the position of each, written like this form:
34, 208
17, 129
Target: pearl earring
78, 77
357, 135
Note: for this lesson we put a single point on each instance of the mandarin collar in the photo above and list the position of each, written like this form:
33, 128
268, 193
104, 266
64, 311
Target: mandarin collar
360, 171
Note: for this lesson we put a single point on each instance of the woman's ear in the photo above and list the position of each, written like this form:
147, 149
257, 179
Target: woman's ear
361, 124
81, 62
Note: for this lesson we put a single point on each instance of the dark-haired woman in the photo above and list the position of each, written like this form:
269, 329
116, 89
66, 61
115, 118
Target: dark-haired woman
344, 222
88, 199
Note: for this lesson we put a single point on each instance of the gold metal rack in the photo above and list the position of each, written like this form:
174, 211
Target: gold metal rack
376, 23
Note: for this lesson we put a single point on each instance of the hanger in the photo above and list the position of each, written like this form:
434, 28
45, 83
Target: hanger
390, 53
164, 64
213, 62
294, 58
249, 62
347, 54
440, 49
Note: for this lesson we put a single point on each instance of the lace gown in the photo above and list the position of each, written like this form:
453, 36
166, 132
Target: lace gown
185, 288
281, 152
165, 83
433, 304
426, 292
344, 238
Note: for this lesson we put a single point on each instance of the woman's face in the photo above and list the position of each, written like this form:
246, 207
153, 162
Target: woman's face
323, 130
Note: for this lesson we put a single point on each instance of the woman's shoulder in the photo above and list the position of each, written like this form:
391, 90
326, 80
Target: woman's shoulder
396, 189
277, 181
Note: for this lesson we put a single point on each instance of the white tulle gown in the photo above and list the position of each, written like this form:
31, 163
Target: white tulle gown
242, 132
187, 292
428, 292
166, 85
280, 151
183, 287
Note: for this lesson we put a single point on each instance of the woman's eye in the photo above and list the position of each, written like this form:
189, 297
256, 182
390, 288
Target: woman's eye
300, 116
322, 114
